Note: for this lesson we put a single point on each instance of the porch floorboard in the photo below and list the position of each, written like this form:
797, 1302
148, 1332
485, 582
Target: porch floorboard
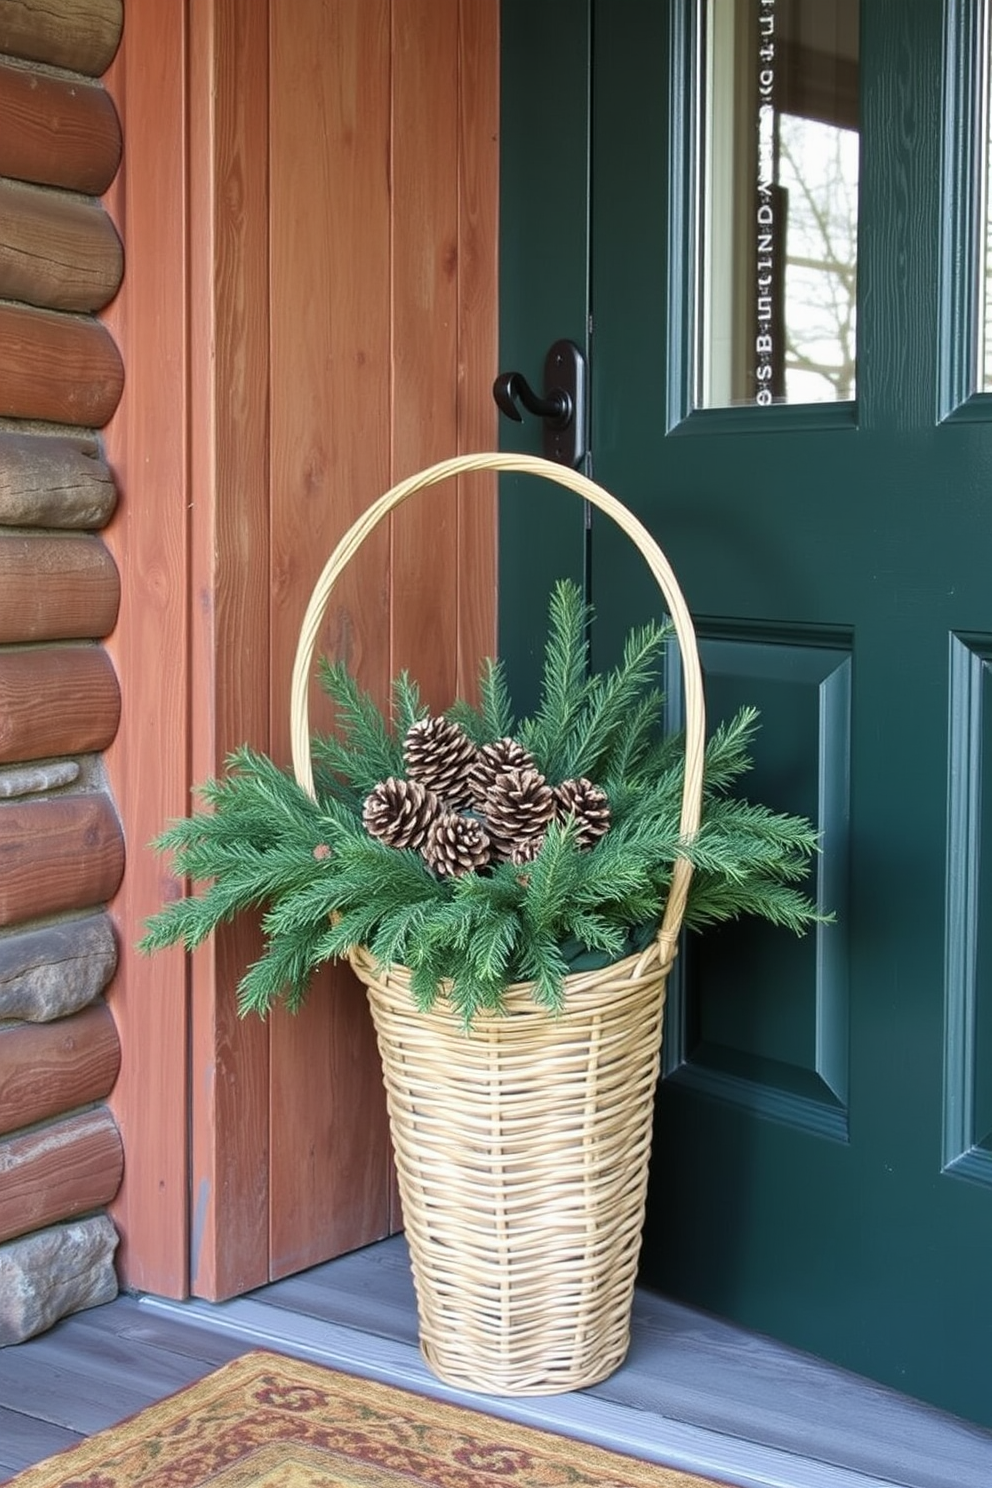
694, 1391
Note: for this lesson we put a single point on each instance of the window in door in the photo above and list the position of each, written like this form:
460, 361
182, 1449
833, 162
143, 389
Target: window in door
779, 144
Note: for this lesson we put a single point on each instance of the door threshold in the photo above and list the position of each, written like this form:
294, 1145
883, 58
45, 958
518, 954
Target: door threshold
694, 1393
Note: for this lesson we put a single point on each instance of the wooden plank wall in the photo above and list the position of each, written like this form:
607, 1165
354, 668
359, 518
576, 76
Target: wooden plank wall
61, 845
147, 441
383, 211
309, 314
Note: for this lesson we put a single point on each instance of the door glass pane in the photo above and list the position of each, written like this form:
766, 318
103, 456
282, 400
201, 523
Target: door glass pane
779, 202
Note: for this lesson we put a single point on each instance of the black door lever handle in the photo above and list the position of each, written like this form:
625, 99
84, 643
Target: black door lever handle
556, 407
563, 406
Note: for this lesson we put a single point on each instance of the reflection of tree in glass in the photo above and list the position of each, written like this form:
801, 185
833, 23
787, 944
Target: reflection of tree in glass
818, 167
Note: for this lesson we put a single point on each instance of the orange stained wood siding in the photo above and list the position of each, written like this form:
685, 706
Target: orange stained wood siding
339, 216
57, 131
388, 329
332, 437
147, 447
230, 623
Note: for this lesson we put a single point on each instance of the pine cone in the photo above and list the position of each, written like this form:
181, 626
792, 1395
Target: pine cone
519, 806
456, 844
439, 754
399, 812
588, 804
492, 760
526, 850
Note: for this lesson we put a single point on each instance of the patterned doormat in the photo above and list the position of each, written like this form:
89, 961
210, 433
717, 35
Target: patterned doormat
274, 1422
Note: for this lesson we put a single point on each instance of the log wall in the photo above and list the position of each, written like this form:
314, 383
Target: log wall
61, 844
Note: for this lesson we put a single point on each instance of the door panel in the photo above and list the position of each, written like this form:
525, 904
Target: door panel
821, 1170
770, 1014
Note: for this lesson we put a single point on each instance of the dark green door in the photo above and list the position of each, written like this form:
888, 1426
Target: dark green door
823, 1158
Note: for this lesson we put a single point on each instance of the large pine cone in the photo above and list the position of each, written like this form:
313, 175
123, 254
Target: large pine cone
399, 812
492, 760
519, 806
456, 844
588, 804
439, 754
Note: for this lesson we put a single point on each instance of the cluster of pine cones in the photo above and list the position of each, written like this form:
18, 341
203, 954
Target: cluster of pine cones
464, 807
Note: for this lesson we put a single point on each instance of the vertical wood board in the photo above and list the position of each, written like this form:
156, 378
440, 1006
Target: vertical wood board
330, 430
230, 618
424, 174
147, 445
337, 330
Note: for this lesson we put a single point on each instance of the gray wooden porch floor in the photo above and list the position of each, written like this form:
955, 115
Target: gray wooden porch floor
694, 1392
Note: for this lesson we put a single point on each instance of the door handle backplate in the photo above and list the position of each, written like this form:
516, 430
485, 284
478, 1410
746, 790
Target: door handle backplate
563, 406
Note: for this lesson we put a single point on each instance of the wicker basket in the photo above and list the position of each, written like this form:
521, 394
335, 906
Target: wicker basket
522, 1147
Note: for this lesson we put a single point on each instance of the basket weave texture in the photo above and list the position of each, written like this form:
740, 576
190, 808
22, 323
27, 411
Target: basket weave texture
522, 1146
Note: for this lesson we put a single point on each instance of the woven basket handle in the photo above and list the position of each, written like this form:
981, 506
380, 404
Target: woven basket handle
695, 722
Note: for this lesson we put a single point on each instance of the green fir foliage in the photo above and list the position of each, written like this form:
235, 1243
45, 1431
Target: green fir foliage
324, 886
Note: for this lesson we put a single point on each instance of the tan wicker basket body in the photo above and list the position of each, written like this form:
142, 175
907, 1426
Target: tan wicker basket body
522, 1147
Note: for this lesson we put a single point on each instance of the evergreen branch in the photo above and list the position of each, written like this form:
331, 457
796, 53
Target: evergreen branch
244, 878
565, 681
628, 748
407, 706
282, 973
495, 705
370, 753
324, 885
597, 932
728, 750
469, 720
611, 703
713, 900
542, 962
551, 880
493, 718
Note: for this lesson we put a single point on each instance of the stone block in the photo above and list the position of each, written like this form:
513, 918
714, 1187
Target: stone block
34, 778
54, 1272
50, 973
